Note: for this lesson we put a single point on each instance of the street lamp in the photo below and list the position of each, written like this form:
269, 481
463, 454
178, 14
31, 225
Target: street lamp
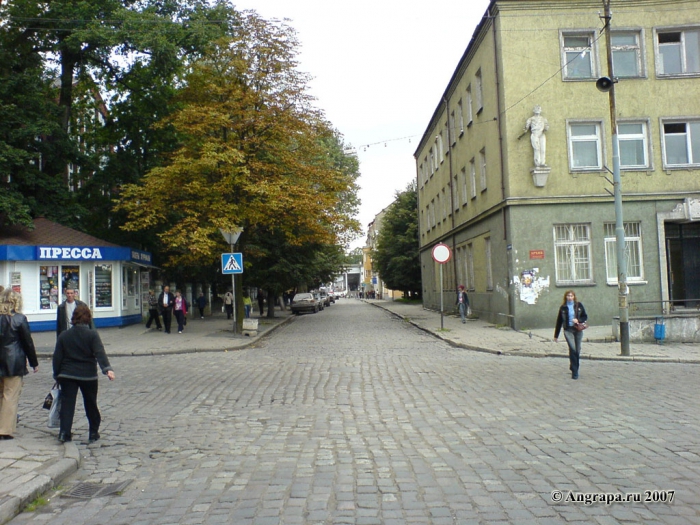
231, 237
607, 84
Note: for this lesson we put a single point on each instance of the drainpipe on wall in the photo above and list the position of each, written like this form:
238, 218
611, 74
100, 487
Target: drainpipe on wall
506, 224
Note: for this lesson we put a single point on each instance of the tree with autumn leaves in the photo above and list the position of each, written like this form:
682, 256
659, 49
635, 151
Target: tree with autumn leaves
253, 152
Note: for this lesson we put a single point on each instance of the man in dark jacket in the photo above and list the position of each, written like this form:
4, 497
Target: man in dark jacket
65, 311
166, 303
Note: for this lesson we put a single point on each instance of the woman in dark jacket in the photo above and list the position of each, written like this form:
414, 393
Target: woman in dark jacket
16, 346
77, 353
571, 313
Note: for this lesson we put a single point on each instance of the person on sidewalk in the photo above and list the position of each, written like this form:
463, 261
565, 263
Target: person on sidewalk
77, 353
166, 301
571, 313
247, 304
228, 303
16, 347
261, 302
463, 303
180, 309
153, 310
201, 304
65, 311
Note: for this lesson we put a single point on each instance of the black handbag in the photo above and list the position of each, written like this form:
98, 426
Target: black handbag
50, 397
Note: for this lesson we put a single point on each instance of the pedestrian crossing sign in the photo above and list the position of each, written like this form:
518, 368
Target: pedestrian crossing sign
231, 263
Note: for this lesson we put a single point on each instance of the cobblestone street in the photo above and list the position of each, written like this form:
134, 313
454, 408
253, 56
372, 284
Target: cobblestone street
352, 416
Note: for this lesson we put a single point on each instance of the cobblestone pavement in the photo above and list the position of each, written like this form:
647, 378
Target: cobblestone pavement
353, 416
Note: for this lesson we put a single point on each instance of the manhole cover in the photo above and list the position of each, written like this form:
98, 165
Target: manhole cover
95, 490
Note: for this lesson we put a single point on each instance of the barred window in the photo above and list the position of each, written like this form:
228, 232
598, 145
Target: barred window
572, 253
633, 250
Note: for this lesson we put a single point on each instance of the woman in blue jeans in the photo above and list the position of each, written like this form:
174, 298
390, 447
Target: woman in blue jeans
571, 313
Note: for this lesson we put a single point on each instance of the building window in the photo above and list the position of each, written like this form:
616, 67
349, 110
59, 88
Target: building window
572, 253
103, 286
585, 149
463, 183
681, 142
578, 56
470, 105
678, 52
470, 267
459, 261
432, 213
451, 125
439, 151
634, 145
421, 179
443, 205
633, 251
482, 168
478, 86
489, 269
431, 153
455, 193
472, 178
627, 54
460, 116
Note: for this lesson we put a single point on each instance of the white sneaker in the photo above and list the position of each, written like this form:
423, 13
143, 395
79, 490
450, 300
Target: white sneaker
179, 332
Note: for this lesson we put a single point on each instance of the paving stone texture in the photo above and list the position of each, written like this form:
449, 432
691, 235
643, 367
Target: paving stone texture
355, 416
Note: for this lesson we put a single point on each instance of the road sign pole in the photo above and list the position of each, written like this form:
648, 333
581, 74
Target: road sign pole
233, 290
442, 294
441, 254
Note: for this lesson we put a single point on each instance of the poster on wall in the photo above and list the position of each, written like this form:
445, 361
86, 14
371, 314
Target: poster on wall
145, 286
48, 287
16, 282
103, 285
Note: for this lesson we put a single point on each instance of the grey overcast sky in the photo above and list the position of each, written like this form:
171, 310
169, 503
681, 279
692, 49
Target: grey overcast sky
379, 68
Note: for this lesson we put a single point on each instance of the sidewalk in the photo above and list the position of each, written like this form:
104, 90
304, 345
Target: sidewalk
35, 461
484, 337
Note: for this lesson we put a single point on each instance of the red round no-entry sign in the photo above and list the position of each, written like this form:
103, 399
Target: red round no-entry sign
441, 253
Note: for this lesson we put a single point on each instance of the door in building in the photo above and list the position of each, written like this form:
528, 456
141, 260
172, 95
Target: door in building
683, 253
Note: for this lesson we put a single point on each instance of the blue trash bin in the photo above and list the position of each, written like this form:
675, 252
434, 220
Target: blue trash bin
660, 330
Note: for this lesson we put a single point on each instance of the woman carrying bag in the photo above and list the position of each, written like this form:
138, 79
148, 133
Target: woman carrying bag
572, 317
75, 359
16, 347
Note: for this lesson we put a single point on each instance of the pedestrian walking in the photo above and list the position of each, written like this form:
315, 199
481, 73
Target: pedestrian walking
228, 303
16, 348
166, 301
261, 302
201, 304
571, 314
247, 304
153, 310
65, 311
180, 309
463, 303
78, 352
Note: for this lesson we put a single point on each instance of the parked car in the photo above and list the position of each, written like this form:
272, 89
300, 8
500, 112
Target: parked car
305, 302
331, 294
324, 297
319, 300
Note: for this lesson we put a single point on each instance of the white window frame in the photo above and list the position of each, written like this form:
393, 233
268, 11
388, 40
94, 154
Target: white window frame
479, 86
591, 50
572, 252
638, 49
689, 123
472, 177
482, 169
633, 249
644, 137
598, 138
685, 71
431, 154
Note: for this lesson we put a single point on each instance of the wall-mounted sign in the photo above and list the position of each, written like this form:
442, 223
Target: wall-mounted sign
536, 254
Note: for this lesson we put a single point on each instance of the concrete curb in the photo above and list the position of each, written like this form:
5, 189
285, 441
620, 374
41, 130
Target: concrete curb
40, 482
456, 344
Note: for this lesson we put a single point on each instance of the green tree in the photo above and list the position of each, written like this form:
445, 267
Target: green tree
254, 151
396, 257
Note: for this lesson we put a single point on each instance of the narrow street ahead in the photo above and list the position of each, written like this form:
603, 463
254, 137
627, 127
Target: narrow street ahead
352, 416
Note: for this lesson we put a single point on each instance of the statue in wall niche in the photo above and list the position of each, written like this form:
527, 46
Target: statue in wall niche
538, 125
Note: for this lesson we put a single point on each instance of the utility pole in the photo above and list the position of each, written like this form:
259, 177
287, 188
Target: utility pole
622, 289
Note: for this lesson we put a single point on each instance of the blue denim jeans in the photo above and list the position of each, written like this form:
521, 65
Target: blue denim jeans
463, 312
573, 339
